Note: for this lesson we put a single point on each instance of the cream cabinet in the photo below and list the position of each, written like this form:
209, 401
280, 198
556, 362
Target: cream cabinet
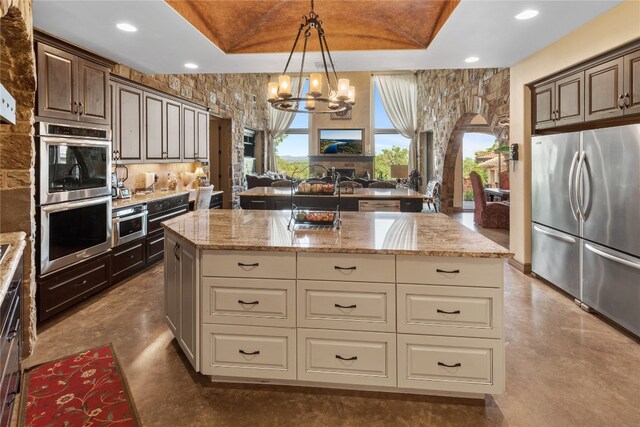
417, 324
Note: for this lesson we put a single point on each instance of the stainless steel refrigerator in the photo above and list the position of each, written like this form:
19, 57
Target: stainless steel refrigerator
586, 218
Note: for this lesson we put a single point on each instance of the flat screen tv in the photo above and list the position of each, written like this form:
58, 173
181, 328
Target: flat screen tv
341, 141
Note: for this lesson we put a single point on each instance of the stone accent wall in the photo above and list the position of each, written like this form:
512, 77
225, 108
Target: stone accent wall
17, 148
239, 97
447, 102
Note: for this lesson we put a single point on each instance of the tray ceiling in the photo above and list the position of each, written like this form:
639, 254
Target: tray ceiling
270, 26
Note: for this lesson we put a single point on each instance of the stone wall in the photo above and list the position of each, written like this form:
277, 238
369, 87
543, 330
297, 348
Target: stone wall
17, 152
447, 102
239, 97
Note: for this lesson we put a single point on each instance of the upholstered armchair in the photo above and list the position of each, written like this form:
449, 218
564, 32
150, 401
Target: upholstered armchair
487, 215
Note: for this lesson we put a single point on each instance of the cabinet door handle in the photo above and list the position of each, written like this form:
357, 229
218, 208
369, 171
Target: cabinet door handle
84, 282
248, 302
74, 107
448, 312
176, 248
447, 271
12, 335
241, 264
455, 365
621, 101
253, 353
337, 267
627, 104
13, 395
346, 358
81, 109
345, 306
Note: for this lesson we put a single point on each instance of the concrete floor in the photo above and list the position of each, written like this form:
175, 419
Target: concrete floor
564, 367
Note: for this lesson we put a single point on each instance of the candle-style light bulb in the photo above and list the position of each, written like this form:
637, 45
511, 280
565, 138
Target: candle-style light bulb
343, 89
273, 91
315, 84
284, 86
352, 95
310, 103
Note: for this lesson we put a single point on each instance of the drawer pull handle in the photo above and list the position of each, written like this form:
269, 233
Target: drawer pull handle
345, 306
447, 271
12, 335
248, 303
253, 353
337, 267
84, 282
348, 359
240, 264
13, 395
448, 312
455, 365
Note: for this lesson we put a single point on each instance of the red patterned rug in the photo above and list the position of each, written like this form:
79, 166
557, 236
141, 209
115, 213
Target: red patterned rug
84, 389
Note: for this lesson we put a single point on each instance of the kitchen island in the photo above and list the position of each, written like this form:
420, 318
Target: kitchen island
397, 302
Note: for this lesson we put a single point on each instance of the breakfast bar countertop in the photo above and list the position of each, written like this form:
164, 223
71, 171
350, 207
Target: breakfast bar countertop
10, 260
361, 193
361, 233
137, 199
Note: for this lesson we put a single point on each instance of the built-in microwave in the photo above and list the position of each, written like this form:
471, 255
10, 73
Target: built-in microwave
74, 163
73, 231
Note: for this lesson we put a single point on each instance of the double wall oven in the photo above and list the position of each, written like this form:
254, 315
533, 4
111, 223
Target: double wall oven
74, 194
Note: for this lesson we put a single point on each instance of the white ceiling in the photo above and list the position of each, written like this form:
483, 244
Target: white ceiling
165, 41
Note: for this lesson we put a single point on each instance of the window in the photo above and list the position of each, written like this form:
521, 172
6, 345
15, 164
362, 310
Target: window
292, 148
391, 148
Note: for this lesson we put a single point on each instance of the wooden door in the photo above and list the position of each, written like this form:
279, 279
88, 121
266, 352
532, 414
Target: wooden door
570, 99
202, 145
189, 129
545, 97
173, 127
188, 324
129, 128
93, 93
214, 149
171, 283
632, 83
57, 81
154, 127
604, 91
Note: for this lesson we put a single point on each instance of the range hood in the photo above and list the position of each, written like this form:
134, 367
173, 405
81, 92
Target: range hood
7, 107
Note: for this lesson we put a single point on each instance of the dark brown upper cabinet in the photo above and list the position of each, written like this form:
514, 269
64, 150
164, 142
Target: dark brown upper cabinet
559, 103
127, 141
604, 92
71, 88
632, 83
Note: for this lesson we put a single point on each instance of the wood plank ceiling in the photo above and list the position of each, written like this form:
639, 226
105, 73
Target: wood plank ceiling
271, 25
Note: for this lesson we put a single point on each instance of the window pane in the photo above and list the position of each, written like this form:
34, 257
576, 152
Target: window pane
391, 149
301, 121
390, 140
292, 153
380, 118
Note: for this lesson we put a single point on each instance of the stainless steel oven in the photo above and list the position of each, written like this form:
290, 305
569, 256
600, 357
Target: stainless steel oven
129, 224
74, 163
73, 231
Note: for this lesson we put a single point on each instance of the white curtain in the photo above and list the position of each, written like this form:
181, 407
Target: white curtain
399, 94
279, 123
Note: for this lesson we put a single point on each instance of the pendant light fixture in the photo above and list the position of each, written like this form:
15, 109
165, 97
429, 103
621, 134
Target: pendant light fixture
339, 96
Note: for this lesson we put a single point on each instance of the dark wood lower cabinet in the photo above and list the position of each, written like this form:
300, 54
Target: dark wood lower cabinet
127, 259
71, 285
155, 246
11, 345
320, 202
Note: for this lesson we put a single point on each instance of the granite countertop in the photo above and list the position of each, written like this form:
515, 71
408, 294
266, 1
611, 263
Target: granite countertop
361, 193
137, 199
10, 260
361, 233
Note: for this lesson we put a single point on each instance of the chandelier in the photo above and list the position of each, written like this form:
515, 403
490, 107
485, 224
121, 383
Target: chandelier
340, 96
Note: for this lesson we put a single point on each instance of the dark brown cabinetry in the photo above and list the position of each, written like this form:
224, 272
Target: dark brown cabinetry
157, 212
321, 202
127, 259
11, 345
559, 103
71, 88
71, 285
605, 91
632, 83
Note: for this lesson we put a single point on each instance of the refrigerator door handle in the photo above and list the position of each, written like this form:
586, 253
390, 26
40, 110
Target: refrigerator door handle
611, 257
578, 184
571, 180
562, 237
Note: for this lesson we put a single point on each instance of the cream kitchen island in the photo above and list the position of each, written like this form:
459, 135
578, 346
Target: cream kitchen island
402, 302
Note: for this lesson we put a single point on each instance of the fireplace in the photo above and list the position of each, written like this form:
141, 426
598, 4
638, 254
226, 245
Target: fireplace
346, 172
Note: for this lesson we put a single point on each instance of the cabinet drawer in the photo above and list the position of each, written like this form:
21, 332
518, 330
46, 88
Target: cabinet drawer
155, 246
259, 302
344, 305
247, 351
127, 259
472, 365
450, 271
447, 310
347, 357
346, 267
268, 265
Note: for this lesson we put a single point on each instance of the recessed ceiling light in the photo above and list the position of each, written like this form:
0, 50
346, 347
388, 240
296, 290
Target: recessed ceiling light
472, 59
191, 65
126, 27
527, 14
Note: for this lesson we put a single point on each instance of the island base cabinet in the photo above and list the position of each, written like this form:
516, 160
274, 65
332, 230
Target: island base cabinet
346, 357
451, 364
249, 352
181, 296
